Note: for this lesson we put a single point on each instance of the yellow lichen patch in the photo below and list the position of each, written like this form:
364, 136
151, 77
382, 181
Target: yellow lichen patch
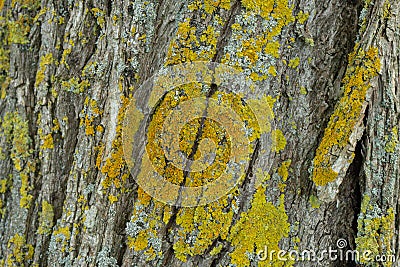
263, 225
283, 14
263, 109
18, 30
44, 61
375, 235
48, 142
99, 14
363, 66
283, 170
193, 44
16, 131
209, 222
278, 141
56, 125
21, 252
213, 139
261, 7
28, 4
387, 12
138, 243
112, 199
46, 218
142, 229
302, 17
303, 90
113, 168
99, 157
216, 250
62, 235
294, 63
3, 186
74, 85
391, 145
92, 112
272, 71
211, 5
209, 36
254, 44
183, 48
180, 50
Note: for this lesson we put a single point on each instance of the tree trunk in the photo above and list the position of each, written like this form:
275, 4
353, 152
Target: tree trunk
87, 93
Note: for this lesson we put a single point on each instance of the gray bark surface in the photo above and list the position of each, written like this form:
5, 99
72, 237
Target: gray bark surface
67, 70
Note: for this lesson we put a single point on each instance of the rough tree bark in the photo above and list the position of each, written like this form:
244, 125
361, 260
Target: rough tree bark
69, 69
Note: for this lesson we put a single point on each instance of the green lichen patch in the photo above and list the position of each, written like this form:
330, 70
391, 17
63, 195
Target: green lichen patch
314, 202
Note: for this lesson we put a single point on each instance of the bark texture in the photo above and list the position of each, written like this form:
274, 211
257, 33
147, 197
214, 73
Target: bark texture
329, 69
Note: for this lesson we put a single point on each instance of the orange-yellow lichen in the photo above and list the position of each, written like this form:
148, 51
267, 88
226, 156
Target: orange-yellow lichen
19, 29
363, 66
92, 113
114, 165
99, 14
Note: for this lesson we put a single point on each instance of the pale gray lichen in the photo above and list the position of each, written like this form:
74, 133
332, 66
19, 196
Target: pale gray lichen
104, 260
133, 228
